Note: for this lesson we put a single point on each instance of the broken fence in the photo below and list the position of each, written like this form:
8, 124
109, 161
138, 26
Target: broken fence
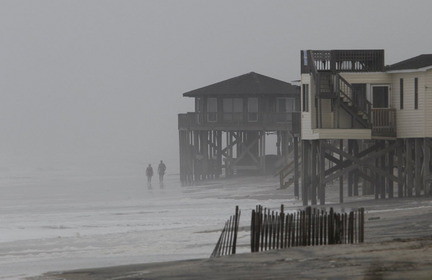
227, 242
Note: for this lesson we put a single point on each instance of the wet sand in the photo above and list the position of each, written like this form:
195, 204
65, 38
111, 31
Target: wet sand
398, 245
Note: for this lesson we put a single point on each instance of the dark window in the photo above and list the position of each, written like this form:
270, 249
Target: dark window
212, 109
227, 108
416, 93
305, 97
232, 109
198, 109
285, 104
253, 109
380, 96
284, 108
198, 105
401, 91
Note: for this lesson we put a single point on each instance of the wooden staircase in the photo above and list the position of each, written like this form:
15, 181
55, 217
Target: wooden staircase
286, 174
333, 86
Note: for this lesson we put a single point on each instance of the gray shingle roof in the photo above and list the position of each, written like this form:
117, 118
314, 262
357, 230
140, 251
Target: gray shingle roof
417, 62
247, 84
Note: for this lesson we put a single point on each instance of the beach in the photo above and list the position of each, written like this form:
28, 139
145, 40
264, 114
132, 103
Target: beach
398, 245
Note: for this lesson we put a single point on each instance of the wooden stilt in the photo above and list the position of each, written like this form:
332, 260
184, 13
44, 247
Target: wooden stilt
383, 179
321, 184
400, 158
313, 161
263, 151
350, 174
390, 170
418, 180
296, 167
426, 168
377, 180
305, 171
341, 178
355, 172
409, 168
219, 154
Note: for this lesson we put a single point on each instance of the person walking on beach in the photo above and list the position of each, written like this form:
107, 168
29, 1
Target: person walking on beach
149, 173
161, 172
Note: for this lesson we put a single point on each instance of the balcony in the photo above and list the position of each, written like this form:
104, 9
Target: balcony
384, 123
240, 121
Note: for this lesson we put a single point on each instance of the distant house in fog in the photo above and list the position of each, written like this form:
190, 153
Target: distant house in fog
226, 133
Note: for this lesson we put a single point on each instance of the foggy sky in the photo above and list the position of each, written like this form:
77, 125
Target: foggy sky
100, 83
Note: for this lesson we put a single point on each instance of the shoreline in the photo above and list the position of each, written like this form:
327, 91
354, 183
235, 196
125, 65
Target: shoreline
398, 245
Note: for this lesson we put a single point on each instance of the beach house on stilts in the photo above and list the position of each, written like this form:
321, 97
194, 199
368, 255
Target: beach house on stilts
365, 124
226, 134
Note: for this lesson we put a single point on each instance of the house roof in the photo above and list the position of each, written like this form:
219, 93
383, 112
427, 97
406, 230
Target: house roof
247, 84
417, 62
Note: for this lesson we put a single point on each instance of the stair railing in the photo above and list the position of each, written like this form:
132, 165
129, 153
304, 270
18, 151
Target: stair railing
346, 92
315, 79
341, 87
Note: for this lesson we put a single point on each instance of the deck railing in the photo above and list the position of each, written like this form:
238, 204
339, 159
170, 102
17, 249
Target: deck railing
384, 122
344, 60
239, 120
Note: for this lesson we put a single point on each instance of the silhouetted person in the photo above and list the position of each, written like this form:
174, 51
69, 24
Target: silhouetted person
149, 173
161, 172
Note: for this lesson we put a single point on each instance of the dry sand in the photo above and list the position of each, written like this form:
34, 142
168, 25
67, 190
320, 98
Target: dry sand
398, 245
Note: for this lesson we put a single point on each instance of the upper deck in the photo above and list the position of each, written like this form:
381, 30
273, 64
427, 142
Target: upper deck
342, 61
289, 121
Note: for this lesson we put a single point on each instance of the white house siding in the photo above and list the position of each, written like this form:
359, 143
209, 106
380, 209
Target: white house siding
307, 117
428, 102
410, 122
367, 78
343, 133
327, 114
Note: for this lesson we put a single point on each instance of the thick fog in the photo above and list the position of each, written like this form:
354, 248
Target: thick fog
96, 86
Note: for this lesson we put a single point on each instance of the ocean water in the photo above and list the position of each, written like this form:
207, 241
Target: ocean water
61, 221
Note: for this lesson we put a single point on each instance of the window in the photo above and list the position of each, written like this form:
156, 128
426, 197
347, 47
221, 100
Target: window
305, 98
232, 109
227, 108
416, 93
285, 104
238, 105
284, 107
401, 93
380, 96
211, 109
198, 105
253, 109
198, 110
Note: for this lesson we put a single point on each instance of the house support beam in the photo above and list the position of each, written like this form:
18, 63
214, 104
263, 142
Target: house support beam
381, 163
296, 166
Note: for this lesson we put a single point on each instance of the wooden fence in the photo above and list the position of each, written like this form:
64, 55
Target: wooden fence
277, 230
309, 227
227, 242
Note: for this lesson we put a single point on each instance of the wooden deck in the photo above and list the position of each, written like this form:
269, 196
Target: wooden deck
232, 122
